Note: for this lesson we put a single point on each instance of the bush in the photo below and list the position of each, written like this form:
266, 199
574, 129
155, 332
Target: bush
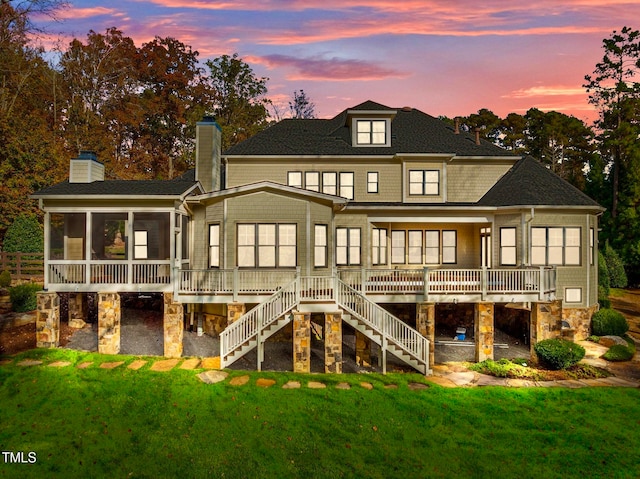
23, 297
559, 353
618, 352
5, 279
617, 275
604, 282
24, 236
609, 322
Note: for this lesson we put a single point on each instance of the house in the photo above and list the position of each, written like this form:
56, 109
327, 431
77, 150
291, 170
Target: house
385, 221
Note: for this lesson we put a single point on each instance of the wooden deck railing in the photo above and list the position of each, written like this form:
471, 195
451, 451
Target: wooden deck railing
23, 265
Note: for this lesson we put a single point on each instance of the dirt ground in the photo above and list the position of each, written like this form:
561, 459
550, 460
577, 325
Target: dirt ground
628, 303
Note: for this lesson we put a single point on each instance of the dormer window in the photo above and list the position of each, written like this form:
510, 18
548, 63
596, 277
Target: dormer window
372, 132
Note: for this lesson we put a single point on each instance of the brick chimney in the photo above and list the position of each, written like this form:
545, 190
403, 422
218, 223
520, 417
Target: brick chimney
85, 168
208, 144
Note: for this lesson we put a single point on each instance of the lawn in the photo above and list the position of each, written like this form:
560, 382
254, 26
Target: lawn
122, 423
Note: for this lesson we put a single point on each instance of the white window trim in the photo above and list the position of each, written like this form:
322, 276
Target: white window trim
387, 132
349, 247
564, 247
511, 248
423, 182
568, 292
278, 246
214, 245
321, 247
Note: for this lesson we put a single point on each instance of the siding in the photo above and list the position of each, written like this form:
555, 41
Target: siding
468, 182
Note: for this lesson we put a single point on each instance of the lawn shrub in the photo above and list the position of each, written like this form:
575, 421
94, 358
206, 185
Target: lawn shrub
617, 275
5, 279
618, 352
23, 297
559, 353
609, 322
24, 235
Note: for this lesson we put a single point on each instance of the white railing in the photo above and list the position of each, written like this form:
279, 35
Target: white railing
454, 281
316, 288
114, 272
384, 323
108, 272
66, 273
251, 324
151, 273
233, 281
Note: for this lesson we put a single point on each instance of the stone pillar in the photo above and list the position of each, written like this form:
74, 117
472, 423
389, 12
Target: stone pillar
173, 323
363, 350
483, 329
333, 342
234, 312
426, 325
77, 310
47, 320
108, 323
546, 322
301, 342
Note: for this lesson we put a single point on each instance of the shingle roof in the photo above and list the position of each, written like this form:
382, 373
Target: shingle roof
175, 187
412, 132
529, 183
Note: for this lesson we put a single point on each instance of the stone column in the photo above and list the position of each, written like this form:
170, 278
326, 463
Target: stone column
77, 310
483, 329
363, 350
234, 312
173, 323
333, 342
301, 342
546, 322
426, 325
47, 320
108, 323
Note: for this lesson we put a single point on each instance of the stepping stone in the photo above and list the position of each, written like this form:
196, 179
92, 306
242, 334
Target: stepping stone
486, 380
210, 363
164, 365
520, 383
343, 386
5, 361
441, 381
417, 386
265, 383
212, 377
137, 364
292, 385
391, 386
462, 378
548, 384
316, 385
59, 364
595, 383
111, 365
190, 364
29, 362
367, 386
85, 364
619, 382
571, 384
239, 381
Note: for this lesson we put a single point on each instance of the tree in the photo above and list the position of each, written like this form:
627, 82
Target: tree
24, 236
240, 105
487, 123
302, 107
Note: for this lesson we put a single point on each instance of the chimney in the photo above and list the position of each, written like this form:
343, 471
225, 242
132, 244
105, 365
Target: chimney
208, 143
85, 168
456, 122
477, 130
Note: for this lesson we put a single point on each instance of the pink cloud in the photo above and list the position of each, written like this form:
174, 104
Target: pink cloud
332, 69
79, 13
543, 91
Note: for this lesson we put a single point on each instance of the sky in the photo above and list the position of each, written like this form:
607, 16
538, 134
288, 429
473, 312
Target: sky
443, 57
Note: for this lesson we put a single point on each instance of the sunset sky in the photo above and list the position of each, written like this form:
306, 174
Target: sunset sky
440, 56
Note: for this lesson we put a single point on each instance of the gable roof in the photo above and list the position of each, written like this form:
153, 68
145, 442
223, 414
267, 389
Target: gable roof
529, 183
412, 131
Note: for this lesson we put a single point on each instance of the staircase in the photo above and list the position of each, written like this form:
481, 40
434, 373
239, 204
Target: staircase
377, 324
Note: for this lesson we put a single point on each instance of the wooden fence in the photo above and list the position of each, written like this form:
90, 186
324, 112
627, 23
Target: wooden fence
23, 266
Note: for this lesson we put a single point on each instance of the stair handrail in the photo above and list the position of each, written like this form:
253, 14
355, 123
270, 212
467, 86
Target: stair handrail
257, 319
380, 320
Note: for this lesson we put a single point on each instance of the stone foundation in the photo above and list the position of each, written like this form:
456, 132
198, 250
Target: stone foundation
77, 310
546, 322
235, 311
213, 324
109, 313
333, 342
426, 325
47, 320
483, 330
579, 320
363, 350
173, 327
301, 342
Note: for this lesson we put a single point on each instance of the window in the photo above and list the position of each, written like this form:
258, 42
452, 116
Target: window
555, 246
508, 255
573, 295
320, 247
449, 247
140, 250
432, 247
266, 245
214, 246
592, 242
346, 185
294, 178
397, 246
372, 182
312, 180
379, 246
330, 182
371, 132
415, 247
348, 246
424, 182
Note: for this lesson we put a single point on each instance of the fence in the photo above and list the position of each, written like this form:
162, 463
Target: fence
23, 266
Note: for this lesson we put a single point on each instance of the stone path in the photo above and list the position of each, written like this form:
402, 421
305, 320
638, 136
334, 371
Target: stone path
448, 375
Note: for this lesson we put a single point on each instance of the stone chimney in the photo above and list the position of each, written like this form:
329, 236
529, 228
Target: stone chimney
208, 144
86, 168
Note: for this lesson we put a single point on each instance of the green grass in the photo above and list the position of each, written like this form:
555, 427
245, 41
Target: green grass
122, 423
